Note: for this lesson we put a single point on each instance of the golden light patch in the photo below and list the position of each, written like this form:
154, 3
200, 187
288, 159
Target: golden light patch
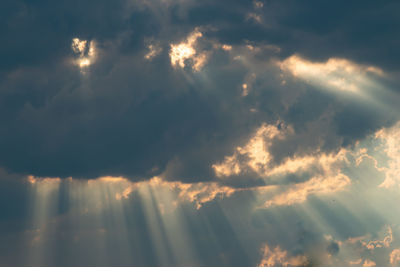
184, 51
86, 52
335, 73
277, 256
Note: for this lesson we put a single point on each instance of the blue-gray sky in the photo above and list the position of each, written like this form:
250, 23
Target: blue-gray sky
199, 133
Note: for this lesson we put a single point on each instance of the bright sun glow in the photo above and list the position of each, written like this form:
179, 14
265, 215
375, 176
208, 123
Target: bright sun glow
183, 51
86, 52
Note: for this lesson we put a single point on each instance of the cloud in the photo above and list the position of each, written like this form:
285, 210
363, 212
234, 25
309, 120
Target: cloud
316, 185
335, 74
185, 50
325, 175
383, 152
395, 257
391, 146
86, 52
279, 257
79, 46
154, 50
369, 263
192, 133
256, 155
197, 193
355, 262
178, 124
385, 242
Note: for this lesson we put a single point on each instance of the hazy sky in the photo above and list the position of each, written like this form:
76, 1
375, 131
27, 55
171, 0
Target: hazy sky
199, 133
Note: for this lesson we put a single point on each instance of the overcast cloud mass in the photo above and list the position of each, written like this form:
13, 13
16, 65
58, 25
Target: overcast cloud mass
199, 133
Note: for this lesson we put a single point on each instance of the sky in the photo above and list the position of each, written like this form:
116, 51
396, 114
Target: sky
191, 133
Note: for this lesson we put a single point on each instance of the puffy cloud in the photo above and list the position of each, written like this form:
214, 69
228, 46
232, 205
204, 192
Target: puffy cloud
279, 257
356, 262
387, 240
186, 50
390, 138
395, 257
197, 193
154, 50
365, 241
369, 263
325, 169
335, 74
384, 153
316, 185
257, 156
86, 52
79, 46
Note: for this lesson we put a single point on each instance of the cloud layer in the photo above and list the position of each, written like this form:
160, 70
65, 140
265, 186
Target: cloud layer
199, 133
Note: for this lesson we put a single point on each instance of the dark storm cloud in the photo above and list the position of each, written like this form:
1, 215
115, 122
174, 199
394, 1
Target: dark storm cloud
364, 31
122, 118
125, 122
125, 115
40, 32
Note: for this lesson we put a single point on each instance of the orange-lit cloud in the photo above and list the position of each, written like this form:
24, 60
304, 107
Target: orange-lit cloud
226, 47
86, 52
279, 257
356, 262
256, 152
369, 263
395, 257
197, 193
391, 146
186, 50
153, 51
385, 242
366, 243
255, 156
335, 74
363, 263
42, 180
316, 185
